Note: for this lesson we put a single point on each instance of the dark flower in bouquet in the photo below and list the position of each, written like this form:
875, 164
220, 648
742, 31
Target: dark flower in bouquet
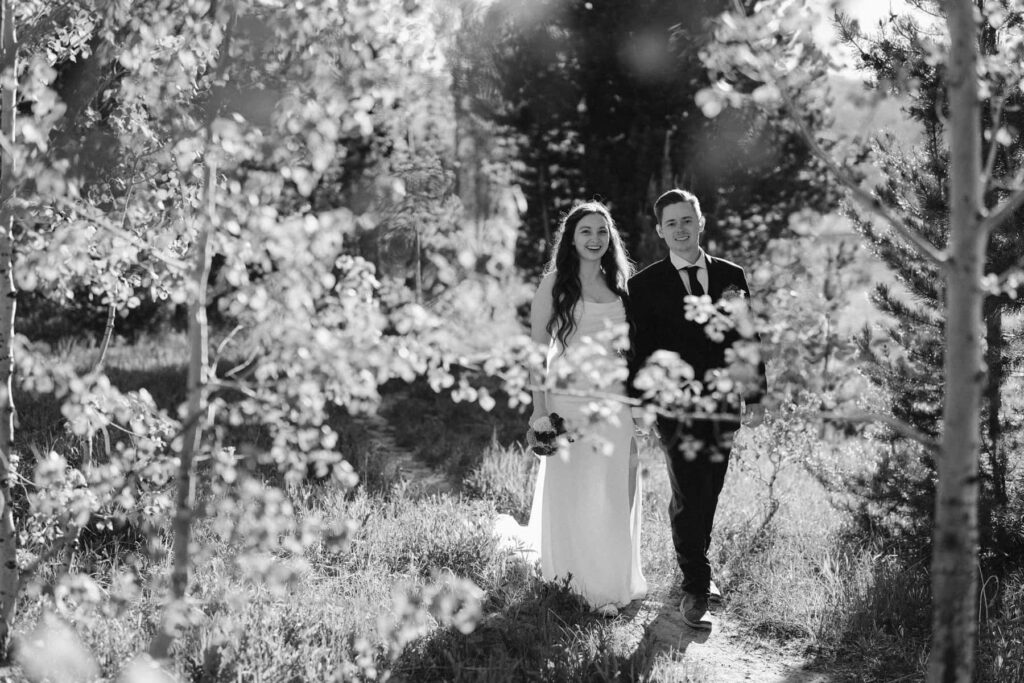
542, 436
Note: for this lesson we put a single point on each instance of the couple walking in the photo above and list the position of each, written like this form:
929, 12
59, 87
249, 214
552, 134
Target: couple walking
586, 512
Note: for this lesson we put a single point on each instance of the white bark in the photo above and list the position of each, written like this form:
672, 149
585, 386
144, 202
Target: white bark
8, 537
955, 540
198, 337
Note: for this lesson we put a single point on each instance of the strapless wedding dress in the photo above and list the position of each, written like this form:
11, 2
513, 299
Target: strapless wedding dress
586, 512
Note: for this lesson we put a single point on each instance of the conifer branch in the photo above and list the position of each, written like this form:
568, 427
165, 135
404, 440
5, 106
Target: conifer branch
894, 423
1002, 212
867, 200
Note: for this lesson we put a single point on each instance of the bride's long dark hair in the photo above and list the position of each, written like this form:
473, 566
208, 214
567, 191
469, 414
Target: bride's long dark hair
565, 264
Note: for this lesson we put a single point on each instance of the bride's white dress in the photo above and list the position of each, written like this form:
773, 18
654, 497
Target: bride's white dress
586, 512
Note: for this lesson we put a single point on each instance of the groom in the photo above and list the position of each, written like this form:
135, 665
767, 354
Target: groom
697, 450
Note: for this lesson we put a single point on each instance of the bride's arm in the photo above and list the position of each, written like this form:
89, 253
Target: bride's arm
540, 313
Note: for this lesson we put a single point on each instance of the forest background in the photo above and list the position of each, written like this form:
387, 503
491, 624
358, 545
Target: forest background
236, 232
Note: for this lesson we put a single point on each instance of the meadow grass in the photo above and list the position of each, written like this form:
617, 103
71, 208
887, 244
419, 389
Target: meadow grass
806, 582
504, 476
311, 629
447, 435
802, 585
799, 575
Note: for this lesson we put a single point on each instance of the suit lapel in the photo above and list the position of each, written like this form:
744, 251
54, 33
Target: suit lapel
673, 283
715, 284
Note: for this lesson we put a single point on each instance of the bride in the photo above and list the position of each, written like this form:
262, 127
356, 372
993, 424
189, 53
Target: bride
586, 512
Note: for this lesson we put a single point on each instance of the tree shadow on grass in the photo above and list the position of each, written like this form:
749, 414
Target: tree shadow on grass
40, 414
448, 434
41, 424
881, 634
167, 384
547, 635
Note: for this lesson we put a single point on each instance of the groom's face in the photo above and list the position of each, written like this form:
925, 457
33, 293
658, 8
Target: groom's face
680, 227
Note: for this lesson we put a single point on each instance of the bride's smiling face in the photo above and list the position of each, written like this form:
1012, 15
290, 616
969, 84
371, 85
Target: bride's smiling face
591, 237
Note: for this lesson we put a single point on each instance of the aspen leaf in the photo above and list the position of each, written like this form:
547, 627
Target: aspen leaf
53, 651
710, 104
765, 94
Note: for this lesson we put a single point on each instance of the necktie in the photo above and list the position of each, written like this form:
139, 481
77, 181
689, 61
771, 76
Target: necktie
695, 288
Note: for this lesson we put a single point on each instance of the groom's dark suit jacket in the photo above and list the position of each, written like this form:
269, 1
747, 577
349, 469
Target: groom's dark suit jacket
658, 320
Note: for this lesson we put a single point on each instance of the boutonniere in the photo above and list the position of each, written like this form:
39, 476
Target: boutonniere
544, 432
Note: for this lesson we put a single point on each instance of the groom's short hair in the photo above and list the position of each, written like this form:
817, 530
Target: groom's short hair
675, 196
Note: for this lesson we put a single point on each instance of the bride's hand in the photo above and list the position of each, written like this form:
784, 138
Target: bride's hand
753, 415
640, 425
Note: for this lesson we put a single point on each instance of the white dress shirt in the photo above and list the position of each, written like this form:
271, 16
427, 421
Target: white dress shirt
702, 274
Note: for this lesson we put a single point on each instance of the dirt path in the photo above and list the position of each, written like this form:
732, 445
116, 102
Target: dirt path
666, 649
670, 651
419, 478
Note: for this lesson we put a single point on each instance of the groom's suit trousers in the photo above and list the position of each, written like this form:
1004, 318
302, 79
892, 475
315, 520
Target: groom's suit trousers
696, 484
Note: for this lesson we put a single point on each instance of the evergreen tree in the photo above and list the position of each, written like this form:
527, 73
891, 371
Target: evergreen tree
915, 184
780, 54
600, 99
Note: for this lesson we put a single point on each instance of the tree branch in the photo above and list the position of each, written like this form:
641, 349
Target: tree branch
897, 425
867, 200
993, 144
1002, 212
117, 231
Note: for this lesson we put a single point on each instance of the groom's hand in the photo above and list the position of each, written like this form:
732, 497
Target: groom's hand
753, 415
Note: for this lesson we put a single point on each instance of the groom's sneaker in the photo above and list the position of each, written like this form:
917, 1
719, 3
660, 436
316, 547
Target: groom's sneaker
714, 594
695, 611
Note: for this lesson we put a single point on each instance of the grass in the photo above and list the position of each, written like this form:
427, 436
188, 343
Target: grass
505, 477
809, 590
243, 631
806, 583
799, 576
449, 436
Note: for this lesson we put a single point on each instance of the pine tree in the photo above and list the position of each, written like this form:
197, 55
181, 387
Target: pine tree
600, 99
916, 185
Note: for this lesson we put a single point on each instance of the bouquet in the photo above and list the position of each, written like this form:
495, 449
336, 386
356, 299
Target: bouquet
732, 293
543, 434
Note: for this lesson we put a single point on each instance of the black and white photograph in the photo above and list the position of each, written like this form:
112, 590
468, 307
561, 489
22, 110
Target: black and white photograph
653, 341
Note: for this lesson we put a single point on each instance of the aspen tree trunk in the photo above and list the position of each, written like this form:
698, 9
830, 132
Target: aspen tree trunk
198, 382
184, 503
542, 192
8, 535
994, 345
419, 267
467, 152
108, 333
955, 540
